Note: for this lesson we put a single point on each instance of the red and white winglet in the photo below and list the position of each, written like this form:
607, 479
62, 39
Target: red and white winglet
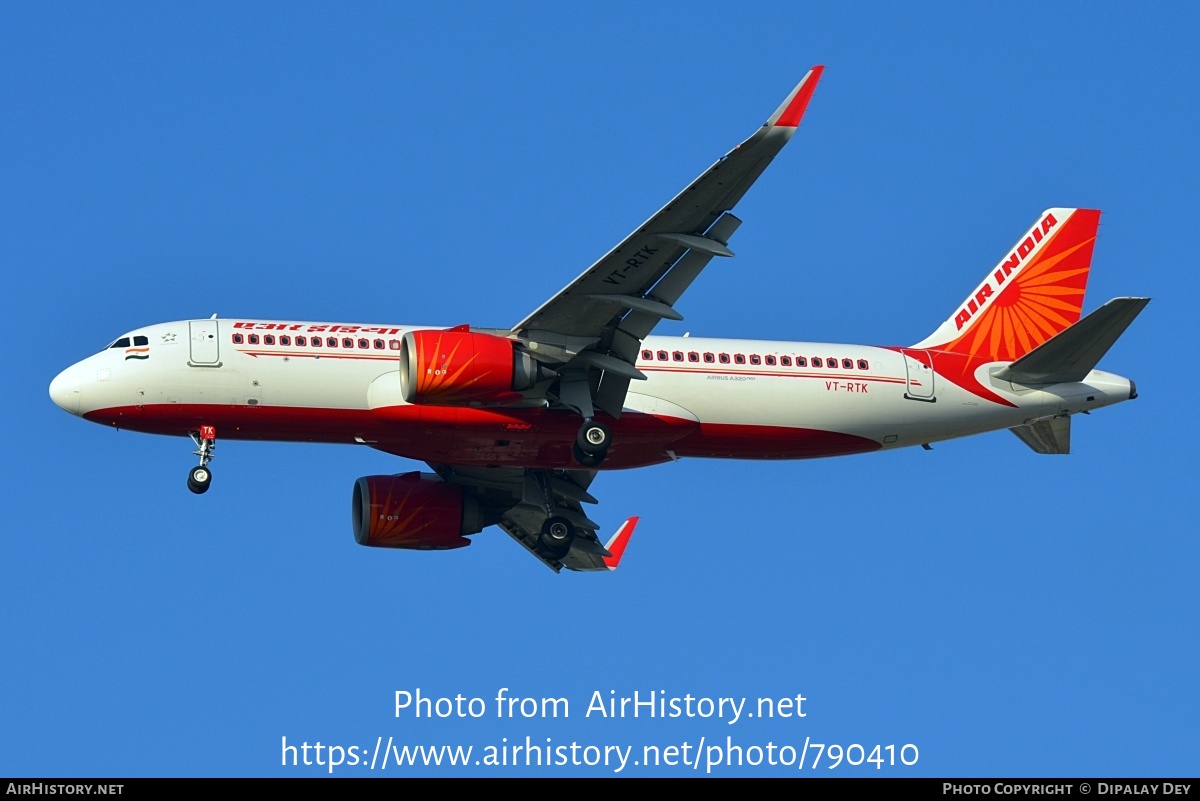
788, 115
617, 542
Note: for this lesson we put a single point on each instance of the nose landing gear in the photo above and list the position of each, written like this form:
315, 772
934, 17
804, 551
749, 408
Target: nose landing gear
200, 477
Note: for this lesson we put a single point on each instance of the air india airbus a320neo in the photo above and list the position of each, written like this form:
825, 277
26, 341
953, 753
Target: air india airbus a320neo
516, 423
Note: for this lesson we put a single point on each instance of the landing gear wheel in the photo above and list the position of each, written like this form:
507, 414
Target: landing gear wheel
587, 459
593, 438
556, 537
591, 443
199, 479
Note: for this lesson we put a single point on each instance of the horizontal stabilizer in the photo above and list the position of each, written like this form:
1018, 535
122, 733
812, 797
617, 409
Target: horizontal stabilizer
1070, 355
1047, 436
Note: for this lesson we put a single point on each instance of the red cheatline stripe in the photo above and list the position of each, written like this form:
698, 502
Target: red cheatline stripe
760, 374
323, 355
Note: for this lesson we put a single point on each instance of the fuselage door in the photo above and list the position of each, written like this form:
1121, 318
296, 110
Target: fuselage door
919, 365
204, 341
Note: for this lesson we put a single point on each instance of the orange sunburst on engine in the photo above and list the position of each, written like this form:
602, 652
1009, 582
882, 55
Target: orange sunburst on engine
408, 511
456, 367
441, 372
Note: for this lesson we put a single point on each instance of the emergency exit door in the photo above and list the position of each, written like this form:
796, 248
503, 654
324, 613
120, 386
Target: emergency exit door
205, 343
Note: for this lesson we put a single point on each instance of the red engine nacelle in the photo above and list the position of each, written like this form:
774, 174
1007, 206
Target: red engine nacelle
459, 368
413, 510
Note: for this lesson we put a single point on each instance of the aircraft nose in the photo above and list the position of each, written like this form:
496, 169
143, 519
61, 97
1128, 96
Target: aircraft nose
66, 389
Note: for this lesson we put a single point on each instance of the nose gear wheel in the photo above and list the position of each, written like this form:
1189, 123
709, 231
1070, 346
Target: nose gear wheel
200, 477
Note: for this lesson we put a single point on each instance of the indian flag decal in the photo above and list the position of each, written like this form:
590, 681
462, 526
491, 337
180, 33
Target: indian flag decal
137, 353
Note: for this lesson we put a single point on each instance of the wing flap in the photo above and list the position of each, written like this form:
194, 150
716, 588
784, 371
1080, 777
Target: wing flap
520, 501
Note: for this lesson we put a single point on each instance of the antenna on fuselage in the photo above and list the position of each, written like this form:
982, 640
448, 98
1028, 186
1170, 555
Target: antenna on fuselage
214, 316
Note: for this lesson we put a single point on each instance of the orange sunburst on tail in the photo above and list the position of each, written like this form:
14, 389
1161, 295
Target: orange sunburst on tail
1035, 292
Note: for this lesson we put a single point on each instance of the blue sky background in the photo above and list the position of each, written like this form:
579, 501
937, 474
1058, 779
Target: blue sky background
1008, 613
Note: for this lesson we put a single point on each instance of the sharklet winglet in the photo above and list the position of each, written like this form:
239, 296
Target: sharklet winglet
617, 542
791, 111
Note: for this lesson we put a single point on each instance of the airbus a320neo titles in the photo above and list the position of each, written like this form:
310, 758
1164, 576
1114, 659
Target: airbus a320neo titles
516, 423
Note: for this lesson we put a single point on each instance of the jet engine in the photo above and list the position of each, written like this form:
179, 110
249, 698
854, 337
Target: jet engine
460, 368
413, 510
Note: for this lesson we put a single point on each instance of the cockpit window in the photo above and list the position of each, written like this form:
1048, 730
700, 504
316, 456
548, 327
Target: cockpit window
141, 341
123, 342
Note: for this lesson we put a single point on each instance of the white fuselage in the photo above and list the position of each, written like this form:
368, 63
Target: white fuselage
703, 397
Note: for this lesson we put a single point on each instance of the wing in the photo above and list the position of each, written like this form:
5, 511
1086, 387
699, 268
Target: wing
522, 502
591, 331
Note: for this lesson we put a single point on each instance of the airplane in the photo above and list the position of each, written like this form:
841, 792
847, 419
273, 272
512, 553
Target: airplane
516, 423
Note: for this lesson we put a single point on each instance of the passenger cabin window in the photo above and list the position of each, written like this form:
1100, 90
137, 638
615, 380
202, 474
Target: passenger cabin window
316, 342
253, 339
803, 362
755, 358
693, 356
269, 339
301, 342
378, 344
285, 340
817, 361
709, 358
364, 344
238, 339
648, 355
662, 355
724, 357
331, 341
847, 364
771, 361
394, 344
862, 365
786, 361
831, 362
347, 342
677, 356
739, 358
123, 342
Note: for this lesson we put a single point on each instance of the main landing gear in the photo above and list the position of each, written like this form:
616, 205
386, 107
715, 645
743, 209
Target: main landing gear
200, 477
558, 532
591, 443
555, 540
